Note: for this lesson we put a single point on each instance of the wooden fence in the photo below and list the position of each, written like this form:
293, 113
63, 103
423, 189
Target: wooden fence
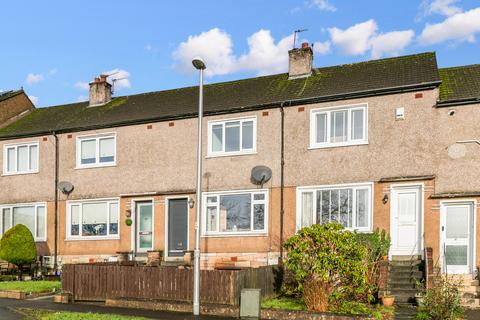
98, 282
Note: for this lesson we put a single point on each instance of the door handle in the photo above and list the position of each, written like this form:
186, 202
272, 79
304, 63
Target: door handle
443, 228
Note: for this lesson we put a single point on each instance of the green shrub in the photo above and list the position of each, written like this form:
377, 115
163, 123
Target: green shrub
377, 243
442, 301
18, 246
330, 266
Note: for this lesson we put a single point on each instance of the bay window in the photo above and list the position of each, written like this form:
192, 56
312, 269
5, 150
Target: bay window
232, 137
93, 219
33, 216
20, 158
349, 205
235, 213
96, 151
339, 126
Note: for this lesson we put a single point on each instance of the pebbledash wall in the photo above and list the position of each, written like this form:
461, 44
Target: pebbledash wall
161, 160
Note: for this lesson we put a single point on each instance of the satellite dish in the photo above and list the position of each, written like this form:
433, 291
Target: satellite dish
65, 187
261, 174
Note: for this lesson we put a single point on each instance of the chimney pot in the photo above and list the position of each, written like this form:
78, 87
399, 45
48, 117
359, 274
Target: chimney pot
100, 91
304, 45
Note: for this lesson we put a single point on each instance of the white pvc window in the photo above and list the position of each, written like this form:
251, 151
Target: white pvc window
235, 213
33, 216
20, 158
332, 127
232, 137
93, 219
96, 151
349, 205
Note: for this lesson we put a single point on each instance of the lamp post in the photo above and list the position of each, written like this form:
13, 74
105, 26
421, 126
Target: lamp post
199, 65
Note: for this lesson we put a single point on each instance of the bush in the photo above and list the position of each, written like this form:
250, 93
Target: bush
442, 301
330, 265
18, 246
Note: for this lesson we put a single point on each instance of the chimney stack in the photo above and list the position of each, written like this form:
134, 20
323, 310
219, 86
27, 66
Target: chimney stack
100, 91
300, 62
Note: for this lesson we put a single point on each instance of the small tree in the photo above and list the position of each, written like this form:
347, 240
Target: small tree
18, 246
329, 264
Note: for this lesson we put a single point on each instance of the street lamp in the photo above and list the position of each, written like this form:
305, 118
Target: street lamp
199, 65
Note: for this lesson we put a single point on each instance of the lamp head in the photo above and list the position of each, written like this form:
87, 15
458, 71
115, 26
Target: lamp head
198, 63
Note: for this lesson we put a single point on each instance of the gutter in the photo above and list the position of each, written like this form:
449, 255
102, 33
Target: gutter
293, 102
458, 102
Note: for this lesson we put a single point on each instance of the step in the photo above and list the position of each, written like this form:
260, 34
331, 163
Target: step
406, 258
404, 263
471, 303
404, 268
401, 285
406, 274
402, 298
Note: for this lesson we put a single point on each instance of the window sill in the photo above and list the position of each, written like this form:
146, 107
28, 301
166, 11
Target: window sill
337, 145
95, 166
92, 238
233, 154
236, 234
19, 173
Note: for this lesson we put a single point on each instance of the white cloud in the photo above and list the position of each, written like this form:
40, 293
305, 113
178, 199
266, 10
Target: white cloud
33, 78
215, 48
52, 72
323, 5
362, 38
391, 43
322, 47
459, 27
34, 99
441, 7
120, 78
264, 55
354, 40
148, 47
82, 85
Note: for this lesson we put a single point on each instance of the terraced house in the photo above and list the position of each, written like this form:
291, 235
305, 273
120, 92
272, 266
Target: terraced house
390, 144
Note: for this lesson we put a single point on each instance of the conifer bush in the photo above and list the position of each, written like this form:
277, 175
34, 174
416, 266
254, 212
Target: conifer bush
17, 246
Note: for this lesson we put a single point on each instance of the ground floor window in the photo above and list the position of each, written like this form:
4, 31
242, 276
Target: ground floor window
33, 216
235, 212
95, 218
350, 205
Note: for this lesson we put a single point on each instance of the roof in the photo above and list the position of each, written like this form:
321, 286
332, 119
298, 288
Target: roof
328, 83
460, 85
9, 94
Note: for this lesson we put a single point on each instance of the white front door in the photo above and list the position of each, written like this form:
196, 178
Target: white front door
457, 230
406, 219
144, 226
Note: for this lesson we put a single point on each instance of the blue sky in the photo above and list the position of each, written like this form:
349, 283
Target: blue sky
54, 48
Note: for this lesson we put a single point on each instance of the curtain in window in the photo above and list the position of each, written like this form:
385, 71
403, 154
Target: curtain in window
307, 209
94, 219
22, 160
75, 220
236, 210
247, 135
217, 137
33, 158
113, 218
88, 151
232, 136
25, 216
107, 150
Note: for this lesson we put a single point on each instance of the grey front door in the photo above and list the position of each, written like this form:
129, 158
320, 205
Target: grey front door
177, 227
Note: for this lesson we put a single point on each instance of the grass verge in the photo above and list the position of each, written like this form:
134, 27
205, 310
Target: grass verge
31, 286
63, 315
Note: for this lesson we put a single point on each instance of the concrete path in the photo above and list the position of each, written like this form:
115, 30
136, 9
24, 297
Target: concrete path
8, 306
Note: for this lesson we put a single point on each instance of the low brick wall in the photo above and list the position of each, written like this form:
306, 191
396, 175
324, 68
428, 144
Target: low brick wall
19, 295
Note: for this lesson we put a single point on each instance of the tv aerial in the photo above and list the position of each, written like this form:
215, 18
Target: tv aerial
295, 36
65, 187
261, 175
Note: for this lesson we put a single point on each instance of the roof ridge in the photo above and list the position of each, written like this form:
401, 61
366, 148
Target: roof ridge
460, 67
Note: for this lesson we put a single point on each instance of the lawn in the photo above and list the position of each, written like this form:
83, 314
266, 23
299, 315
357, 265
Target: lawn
284, 303
63, 315
31, 286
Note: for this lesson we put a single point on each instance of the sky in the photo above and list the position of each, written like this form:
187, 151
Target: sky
53, 49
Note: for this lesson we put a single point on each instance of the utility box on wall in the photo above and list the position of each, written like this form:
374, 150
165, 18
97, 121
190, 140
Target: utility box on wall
250, 303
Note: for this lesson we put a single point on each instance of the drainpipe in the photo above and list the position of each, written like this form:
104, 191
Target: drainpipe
55, 223
282, 178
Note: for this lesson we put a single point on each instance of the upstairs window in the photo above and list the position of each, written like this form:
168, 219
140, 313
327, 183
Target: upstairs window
232, 137
96, 151
20, 158
332, 127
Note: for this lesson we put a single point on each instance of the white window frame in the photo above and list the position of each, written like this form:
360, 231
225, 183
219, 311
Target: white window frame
108, 236
353, 186
223, 153
19, 205
16, 146
252, 232
97, 138
328, 111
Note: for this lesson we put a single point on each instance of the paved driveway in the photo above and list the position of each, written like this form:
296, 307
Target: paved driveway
7, 312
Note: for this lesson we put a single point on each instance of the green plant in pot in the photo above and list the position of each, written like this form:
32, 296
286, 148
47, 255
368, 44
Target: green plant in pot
420, 295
